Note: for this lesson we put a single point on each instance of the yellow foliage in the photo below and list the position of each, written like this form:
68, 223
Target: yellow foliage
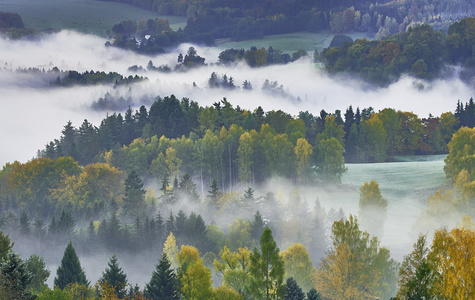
187, 255
224, 293
171, 249
298, 265
338, 277
453, 258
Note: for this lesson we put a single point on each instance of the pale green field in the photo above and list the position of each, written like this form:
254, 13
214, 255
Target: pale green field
87, 16
289, 43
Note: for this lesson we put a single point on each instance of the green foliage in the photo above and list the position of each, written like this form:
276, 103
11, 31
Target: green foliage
115, 277
5, 245
163, 284
329, 160
134, 200
373, 208
461, 150
266, 268
39, 273
14, 277
70, 271
292, 290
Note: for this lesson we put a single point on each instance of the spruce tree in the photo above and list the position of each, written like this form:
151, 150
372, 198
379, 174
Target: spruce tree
163, 284
69, 270
134, 200
292, 290
14, 278
257, 227
115, 277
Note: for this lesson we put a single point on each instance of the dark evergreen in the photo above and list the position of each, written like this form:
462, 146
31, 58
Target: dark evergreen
313, 295
163, 284
14, 278
292, 290
24, 224
257, 227
134, 200
69, 270
115, 277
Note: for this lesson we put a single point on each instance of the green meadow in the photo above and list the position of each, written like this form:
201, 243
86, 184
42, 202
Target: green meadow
87, 16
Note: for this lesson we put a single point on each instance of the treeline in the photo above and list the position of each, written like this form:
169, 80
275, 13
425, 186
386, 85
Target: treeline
185, 122
185, 266
72, 77
354, 267
12, 26
421, 51
208, 20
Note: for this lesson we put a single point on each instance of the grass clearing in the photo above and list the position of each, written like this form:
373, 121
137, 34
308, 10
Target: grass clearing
289, 42
87, 16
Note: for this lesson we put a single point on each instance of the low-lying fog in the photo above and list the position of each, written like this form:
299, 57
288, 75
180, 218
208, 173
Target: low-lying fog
33, 113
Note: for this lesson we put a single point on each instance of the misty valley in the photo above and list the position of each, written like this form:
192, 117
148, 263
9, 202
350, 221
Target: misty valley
237, 150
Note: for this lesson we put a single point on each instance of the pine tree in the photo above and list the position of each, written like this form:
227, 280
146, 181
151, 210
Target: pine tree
70, 270
163, 284
115, 277
14, 277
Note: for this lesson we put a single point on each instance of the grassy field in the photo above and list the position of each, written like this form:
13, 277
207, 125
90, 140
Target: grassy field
87, 16
288, 43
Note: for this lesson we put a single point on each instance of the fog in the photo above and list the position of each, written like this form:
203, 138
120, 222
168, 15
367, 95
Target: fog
33, 113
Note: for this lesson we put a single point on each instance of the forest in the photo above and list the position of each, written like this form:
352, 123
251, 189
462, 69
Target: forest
183, 200
209, 20
89, 188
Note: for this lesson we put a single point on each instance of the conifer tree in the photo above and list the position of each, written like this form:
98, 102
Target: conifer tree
267, 268
14, 278
292, 290
163, 284
257, 227
70, 270
134, 200
115, 277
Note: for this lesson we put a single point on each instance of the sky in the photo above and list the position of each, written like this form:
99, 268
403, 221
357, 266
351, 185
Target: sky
32, 113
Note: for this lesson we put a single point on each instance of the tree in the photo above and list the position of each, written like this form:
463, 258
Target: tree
5, 245
298, 265
14, 278
452, 258
267, 268
461, 150
196, 282
330, 162
115, 277
134, 200
416, 279
257, 227
70, 271
163, 284
313, 295
356, 267
39, 273
170, 248
303, 152
292, 290
372, 208
234, 268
